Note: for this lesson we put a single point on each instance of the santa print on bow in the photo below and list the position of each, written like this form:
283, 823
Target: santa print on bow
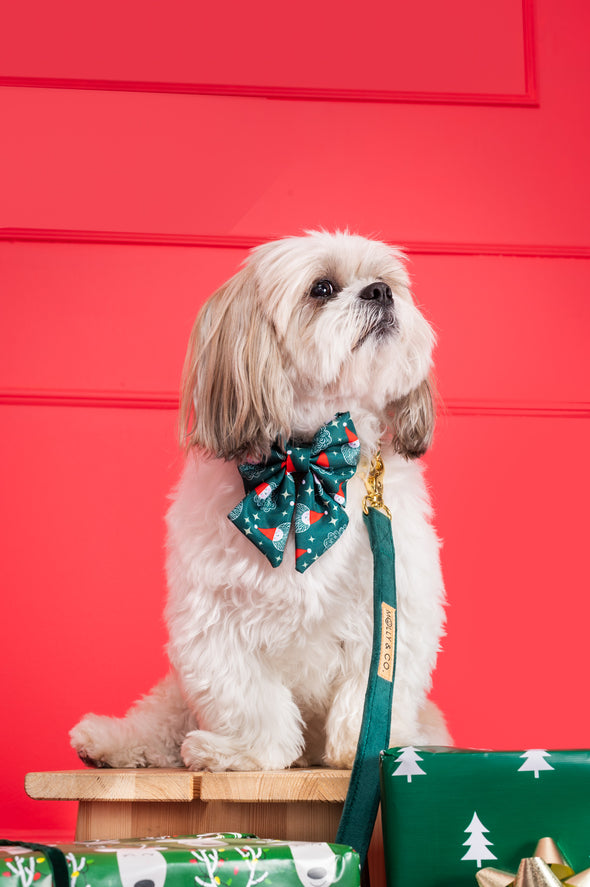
300, 484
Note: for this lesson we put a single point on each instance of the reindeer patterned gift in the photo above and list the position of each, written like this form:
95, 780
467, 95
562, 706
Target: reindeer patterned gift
221, 860
447, 812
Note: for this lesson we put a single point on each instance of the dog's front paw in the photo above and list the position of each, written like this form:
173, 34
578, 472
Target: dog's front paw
202, 750
342, 736
340, 758
341, 749
101, 742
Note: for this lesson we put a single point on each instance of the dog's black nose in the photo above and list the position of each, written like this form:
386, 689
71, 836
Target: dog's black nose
377, 292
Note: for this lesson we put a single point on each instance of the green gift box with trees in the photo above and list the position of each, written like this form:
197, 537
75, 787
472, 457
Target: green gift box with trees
448, 813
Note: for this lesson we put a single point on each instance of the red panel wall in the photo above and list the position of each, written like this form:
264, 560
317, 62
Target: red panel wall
392, 47
141, 156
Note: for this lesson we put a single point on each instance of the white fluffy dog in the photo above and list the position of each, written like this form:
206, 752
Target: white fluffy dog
269, 665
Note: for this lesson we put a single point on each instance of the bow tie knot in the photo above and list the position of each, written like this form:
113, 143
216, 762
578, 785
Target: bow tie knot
297, 461
303, 485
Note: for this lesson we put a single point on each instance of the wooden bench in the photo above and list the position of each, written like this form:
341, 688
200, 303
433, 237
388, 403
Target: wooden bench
298, 805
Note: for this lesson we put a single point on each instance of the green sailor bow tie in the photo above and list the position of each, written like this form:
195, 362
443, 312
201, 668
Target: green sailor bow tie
300, 484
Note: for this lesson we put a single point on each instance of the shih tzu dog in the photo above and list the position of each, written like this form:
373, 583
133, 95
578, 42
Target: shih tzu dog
312, 355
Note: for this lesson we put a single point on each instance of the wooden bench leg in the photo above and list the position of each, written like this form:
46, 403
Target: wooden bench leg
298, 821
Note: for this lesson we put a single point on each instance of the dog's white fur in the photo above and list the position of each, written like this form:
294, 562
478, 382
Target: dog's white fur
269, 666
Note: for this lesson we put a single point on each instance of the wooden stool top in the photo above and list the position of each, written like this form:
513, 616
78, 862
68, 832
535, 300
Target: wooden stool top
151, 784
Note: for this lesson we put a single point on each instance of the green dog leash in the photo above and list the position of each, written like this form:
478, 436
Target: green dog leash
363, 796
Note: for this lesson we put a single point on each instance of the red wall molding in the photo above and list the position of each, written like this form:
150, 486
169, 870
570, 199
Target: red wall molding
126, 400
246, 242
152, 400
526, 99
514, 409
510, 250
529, 53
129, 238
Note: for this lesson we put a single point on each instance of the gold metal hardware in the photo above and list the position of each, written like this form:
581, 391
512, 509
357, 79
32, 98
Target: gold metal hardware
374, 485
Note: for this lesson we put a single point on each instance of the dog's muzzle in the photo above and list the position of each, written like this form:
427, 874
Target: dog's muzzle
377, 292
378, 315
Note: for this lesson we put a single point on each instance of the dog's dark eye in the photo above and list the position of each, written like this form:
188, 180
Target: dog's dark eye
323, 289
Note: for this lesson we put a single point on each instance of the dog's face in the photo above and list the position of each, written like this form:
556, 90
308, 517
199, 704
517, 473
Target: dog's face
316, 320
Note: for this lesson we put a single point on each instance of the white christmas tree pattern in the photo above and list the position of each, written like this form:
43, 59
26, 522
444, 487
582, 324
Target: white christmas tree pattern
535, 760
477, 842
407, 763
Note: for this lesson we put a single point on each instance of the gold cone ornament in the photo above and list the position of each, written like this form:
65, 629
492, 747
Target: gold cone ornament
546, 868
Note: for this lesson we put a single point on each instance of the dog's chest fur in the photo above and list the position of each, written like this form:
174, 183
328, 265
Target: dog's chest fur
234, 575
298, 622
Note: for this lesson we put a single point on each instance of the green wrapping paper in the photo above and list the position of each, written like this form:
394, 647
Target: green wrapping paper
221, 860
448, 813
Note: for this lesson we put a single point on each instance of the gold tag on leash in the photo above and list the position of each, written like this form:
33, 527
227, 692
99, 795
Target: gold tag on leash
386, 657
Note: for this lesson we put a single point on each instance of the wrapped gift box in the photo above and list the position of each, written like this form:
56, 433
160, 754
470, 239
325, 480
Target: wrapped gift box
222, 860
449, 812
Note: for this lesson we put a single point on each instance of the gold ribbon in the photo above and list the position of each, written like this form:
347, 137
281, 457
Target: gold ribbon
546, 868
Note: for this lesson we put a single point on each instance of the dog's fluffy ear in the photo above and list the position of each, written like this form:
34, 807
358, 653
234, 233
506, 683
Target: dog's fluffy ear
236, 399
412, 420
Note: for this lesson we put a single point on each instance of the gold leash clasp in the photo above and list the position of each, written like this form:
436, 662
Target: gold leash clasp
374, 485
